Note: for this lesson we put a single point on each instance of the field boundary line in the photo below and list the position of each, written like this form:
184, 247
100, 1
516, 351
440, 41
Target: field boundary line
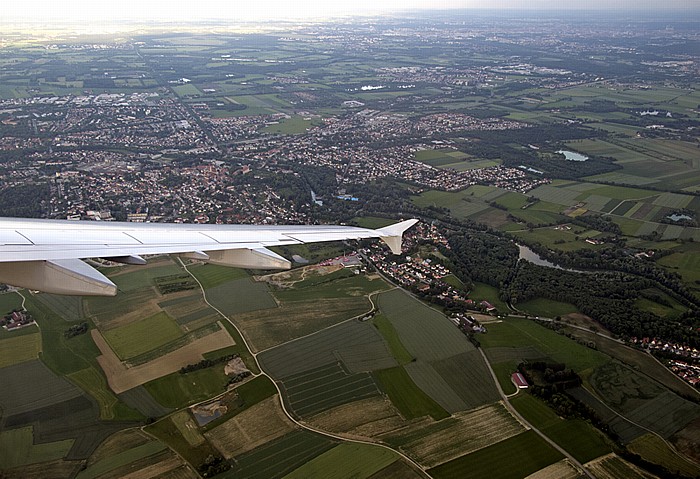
279, 391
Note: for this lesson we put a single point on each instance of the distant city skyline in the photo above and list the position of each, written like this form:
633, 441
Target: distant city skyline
180, 10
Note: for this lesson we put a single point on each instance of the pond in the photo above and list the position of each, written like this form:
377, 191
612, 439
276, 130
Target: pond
572, 155
679, 217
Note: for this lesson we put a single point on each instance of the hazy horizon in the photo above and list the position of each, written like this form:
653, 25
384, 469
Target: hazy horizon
181, 11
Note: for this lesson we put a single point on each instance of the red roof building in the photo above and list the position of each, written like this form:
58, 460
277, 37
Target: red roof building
519, 381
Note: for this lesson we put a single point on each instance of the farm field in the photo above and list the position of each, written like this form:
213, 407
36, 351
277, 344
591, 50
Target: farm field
425, 333
279, 457
346, 460
613, 466
116, 461
514, 457
642, 399
212, 275
522, 333
637, 360
17, 448
365, 418
17, 349
240, 296
654, 449
270, 327
317, 390
121, 378
257, 425
357, 344
411, 401
388, 332
437, 442
546, 308
142, 336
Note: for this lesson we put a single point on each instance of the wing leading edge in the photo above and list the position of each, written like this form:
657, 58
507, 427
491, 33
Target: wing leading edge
45, 254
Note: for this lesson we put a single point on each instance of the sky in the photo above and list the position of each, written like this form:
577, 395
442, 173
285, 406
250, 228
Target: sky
168, 10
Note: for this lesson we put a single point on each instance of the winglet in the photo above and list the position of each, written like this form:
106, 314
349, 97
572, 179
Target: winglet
393, 234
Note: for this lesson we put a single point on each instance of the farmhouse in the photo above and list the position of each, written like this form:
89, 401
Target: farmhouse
519, 381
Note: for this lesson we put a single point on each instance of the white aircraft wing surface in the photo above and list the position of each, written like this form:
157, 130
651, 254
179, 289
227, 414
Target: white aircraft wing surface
46, 255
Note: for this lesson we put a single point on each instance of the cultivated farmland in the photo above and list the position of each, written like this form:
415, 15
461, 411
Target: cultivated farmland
346, 460
436, 442
357, 344
254, 427
425, 333
512, 458
279, 457
122, 378
364, 418
613, 466
142, 336
17, 448
317, 390
271, 327
17, 349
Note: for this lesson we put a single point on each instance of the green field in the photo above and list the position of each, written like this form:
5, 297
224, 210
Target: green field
398, 350
177, 390
546, 308
118, 460
17, 448
290, 452
653, 449
211, 275
577, 437
515, 458
295, 125
406, 396
357, 344
142, 336
425, 333
326, 387
14, 350
346, 460
484, 292
514, 332
240, 296
131, 278
75, 356
9, 302
339, 284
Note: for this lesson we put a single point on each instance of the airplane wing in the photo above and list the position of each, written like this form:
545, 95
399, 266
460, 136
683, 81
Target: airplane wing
46, 255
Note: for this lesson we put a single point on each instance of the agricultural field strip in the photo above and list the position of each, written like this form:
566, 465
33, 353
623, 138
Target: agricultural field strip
322, 347
258, 425
426, 333
121, 378
24, 388
438, 442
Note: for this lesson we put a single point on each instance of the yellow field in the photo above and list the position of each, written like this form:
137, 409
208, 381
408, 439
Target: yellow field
254, 427
19, 349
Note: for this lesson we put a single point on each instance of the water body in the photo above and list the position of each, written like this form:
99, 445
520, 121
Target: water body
677, 217
572, 155
528, 255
